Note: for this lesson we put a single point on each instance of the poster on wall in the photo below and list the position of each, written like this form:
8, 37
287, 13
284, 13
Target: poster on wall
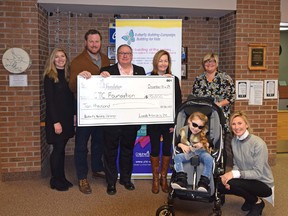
242, 89
270, 89
147, 36
256, 93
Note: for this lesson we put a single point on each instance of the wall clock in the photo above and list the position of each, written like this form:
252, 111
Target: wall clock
16, 60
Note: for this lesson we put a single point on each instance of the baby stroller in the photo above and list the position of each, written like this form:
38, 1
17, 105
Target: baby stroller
195, 168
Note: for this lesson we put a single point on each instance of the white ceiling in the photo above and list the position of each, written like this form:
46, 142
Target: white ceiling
77, 8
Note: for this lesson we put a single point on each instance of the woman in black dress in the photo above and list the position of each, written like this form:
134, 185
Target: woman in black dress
162, 67
59, 122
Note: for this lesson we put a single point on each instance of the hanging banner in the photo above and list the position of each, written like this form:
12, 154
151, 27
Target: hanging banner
147, 36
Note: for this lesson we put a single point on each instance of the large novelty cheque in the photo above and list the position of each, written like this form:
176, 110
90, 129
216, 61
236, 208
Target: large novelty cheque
122, 100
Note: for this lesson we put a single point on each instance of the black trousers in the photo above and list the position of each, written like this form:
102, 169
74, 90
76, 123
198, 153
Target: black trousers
250, 190
122, 138
155, 132
57, 159
227, 153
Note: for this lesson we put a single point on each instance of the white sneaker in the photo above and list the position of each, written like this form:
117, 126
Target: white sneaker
202, 189
174, 185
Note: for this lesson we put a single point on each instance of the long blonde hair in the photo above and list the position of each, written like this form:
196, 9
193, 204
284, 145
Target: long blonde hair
50, 68
202, 135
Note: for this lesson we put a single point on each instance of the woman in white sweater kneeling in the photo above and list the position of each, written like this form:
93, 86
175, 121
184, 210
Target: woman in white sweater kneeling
251, 176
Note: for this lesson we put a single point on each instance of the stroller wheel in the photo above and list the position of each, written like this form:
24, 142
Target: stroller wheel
165, 210
219, 213
170, 199
222, 198
217, 208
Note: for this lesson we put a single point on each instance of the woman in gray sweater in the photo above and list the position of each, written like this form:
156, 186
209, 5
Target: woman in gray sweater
251, 176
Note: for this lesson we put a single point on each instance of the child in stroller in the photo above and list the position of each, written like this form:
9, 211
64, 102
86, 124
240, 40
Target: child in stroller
185, 150
195, 168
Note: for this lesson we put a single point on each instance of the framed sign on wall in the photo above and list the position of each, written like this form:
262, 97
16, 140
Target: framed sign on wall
257, 57
184, 71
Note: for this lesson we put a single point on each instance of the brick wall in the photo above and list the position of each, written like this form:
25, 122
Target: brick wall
258, 23
22, 140
20, 106
227, 53
200, 35
43, 53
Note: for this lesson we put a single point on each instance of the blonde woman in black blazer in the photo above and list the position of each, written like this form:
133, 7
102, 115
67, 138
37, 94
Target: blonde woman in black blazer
59, 122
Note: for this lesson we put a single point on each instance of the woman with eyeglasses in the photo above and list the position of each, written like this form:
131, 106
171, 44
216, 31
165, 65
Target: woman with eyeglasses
220, 86
192, 141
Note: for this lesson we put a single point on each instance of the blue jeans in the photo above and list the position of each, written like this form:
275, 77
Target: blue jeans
81, 150
204, 157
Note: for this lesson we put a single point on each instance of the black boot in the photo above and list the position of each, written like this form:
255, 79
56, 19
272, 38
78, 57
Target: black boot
256, 209
246, 206
61, 170
180, 181
203, 184
68, 183
58, 180
58, 184
61, 173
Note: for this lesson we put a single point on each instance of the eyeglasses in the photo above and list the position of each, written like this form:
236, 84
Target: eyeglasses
124, 53
196, 125
211, 61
